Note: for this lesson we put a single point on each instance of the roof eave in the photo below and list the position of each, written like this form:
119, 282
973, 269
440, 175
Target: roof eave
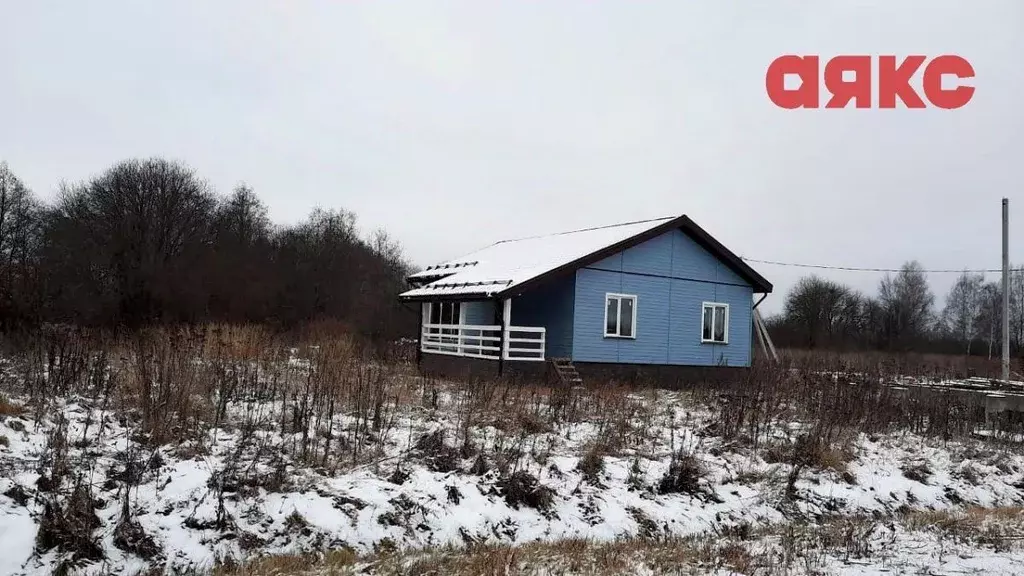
465, 297
424, 279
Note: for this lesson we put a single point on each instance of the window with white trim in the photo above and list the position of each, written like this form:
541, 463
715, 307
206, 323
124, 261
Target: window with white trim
620, 316
446, 314
715, 323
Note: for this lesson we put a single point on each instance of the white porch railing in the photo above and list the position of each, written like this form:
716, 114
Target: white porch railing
523, 342
462, 340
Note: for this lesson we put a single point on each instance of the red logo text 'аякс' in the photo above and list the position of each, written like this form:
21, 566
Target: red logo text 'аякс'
893, 81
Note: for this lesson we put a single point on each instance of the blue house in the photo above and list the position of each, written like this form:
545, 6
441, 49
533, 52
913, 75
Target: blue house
654, 294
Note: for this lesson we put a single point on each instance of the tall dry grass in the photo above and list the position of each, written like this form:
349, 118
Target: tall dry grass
788, 548
334, 403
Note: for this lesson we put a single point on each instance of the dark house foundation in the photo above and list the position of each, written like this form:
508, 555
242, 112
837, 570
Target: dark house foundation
465, 368
660, 375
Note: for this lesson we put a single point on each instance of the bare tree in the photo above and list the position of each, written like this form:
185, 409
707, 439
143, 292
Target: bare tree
389, 251
962, 306
149, 241
1017, 308
241, 282
906, 302
990, 315
821, 310
242, 218
20, 224
133, 239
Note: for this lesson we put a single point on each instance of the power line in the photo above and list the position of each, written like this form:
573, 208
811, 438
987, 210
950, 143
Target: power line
857, 269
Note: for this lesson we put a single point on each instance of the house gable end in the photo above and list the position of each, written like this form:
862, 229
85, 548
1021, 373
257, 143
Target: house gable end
642, 252
671, 275
672, 254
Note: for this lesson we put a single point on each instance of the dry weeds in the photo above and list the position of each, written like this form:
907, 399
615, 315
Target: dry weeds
333, 406
770, 551
8, 408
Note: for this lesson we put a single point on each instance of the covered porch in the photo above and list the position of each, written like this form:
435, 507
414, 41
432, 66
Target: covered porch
479, 329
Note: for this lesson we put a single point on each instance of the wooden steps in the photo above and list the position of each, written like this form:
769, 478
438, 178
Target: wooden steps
566, 372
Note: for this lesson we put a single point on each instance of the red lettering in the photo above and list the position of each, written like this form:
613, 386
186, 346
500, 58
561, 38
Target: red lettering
948, 99
894, 81
858, 89
806, 67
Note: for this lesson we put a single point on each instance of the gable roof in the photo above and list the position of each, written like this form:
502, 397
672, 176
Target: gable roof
510, 267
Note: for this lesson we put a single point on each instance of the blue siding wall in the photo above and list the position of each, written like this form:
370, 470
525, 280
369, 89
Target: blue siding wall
479, 313
551, 306
671, 275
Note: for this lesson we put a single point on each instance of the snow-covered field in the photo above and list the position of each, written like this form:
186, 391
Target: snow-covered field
242, 491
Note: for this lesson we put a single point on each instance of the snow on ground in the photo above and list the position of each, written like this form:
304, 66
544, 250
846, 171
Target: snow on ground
975, 542
196, 513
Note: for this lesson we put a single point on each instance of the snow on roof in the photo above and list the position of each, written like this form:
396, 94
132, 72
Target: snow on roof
508, 263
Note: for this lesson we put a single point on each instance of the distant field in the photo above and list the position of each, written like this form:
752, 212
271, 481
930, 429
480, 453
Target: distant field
908, 363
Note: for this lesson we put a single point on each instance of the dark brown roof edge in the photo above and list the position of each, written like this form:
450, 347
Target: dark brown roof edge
463, 297
699, 235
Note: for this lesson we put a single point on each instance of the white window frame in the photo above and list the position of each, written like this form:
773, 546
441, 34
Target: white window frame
440, 314
618, 318
703, 310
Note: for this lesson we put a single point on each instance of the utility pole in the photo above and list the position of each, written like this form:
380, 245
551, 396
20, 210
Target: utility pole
1006, 289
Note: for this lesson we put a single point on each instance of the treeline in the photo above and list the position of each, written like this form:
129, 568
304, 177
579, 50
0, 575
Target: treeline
148, 241
902, 316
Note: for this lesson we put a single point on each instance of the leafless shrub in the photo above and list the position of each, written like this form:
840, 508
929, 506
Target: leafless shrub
532, 424
636, 479
131, 537
737, 557
68, 525
683, 476
817, 450
480, 466
18, 494
436, 453
917, 471
54, 467
591, 464
296, 521
8, 408
849, 536
399, 476
647, 529
522, 489
751, 407
968, 473
174, 391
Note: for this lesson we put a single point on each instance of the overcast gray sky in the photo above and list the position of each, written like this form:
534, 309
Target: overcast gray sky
456, 124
